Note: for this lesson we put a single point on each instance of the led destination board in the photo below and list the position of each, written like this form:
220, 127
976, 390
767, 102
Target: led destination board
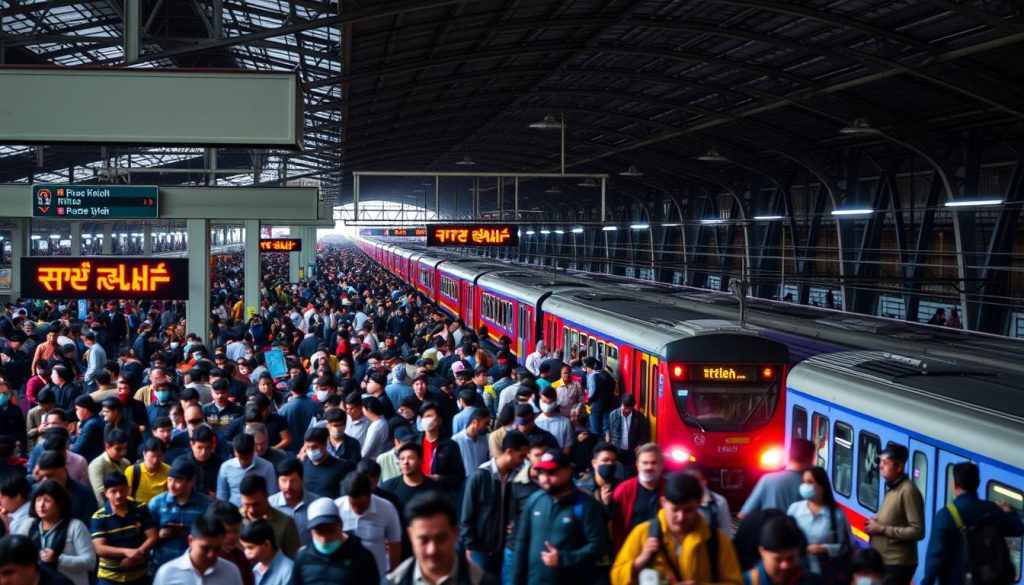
104, 278
472, 235
95, 201
281, 245
392, 232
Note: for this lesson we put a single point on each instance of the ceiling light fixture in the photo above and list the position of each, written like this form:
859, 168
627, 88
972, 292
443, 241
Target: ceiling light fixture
974, 202
632, 171
466, 161
860, 127
849, 212
712, 155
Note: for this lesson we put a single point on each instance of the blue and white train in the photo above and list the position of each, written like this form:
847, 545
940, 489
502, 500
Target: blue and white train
853, 404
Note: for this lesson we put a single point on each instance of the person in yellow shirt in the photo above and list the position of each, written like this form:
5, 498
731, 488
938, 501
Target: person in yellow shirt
680, 546
148, 478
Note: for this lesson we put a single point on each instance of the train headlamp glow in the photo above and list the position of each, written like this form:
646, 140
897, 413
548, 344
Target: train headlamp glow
680, 455
771, 458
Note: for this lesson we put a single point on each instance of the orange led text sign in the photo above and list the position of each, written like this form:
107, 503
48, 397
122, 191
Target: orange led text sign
472, 235
104, 278
281, 245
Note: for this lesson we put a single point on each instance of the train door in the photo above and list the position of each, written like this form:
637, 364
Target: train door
520, 330
655, 380
530, 330
921, 469
944, 479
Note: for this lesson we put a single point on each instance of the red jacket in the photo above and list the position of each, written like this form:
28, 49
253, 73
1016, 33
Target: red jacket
623, 501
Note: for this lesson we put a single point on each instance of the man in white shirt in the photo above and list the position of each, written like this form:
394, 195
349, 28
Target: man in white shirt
357, 424
534, 359
373, 519
552, 421
202, 562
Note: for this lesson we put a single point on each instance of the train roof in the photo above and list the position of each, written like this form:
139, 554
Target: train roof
528, 285
976, 407
640, 322
470, 269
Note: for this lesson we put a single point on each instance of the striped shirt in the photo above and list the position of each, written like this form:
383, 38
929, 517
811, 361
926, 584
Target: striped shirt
128, 531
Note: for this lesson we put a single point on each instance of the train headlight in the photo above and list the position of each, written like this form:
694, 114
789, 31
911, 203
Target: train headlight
680, 455
771, 458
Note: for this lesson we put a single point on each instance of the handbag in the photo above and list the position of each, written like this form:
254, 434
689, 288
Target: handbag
836, 570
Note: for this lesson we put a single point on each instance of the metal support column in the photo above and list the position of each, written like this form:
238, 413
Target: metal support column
19, 249
108, 239
147, 239
131, 31
294, 258
76, 238
197, 310
252, 265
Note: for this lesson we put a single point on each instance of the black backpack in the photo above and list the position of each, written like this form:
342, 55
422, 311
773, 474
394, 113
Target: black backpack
986, 555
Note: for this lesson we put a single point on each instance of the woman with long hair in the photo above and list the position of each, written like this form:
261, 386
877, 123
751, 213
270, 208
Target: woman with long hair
829, 539
64, 542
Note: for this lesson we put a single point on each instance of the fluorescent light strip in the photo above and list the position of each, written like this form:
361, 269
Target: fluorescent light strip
559, 232
767, 217
530, 232
842, 212
712, 221
577, 230
609, 228
640, 226
545, 232
974, 202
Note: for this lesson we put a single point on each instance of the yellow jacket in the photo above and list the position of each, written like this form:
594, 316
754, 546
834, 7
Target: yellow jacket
693, 559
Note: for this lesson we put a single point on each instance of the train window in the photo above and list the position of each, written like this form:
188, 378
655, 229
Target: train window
575, 340
819, 434
999, 493
919, 472
643, 385
600, 353
868, 448
950, 496
842, 458
799, 430
654, 386
612, 360
592, 350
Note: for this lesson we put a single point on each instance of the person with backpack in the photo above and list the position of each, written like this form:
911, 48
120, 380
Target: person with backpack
560, 534
677, 544
780, 550
967, 541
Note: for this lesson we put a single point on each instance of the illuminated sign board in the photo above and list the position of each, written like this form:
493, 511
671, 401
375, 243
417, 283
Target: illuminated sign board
725, 373
95, 201
104, 278
393, 232
281, 245
473, 235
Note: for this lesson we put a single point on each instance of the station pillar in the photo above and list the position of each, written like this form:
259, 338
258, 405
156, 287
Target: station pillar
252, 265
19, 249
76, 238
108, 239
197, 310
147, 239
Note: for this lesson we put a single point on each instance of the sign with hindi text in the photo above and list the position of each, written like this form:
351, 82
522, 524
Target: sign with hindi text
472, 235
280, 245
104, 278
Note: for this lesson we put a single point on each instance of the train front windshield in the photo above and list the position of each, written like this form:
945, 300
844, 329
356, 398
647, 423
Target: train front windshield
735, 398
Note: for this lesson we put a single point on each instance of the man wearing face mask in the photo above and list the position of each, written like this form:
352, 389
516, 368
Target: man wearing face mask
339, 443
322, 473
336, 558
552, 421
163, 401
442, 458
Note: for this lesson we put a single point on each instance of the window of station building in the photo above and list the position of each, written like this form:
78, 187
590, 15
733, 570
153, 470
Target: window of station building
999, 492
919, 472
842, 458
799, 428
819, 436
868, 449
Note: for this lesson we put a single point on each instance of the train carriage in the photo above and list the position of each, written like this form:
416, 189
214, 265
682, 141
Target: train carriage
712, 390
853, 404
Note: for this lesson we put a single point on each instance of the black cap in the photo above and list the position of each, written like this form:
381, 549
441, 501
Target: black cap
182, 468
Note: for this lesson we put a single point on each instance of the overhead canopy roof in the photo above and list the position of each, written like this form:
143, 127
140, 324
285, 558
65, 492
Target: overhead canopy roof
653, 84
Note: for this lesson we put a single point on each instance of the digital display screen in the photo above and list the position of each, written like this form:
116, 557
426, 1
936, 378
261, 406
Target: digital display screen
472, 235
725, 373
392, 232
104, 278
281, 245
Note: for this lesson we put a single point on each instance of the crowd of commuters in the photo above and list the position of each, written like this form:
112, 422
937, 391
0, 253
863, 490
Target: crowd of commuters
389, 443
